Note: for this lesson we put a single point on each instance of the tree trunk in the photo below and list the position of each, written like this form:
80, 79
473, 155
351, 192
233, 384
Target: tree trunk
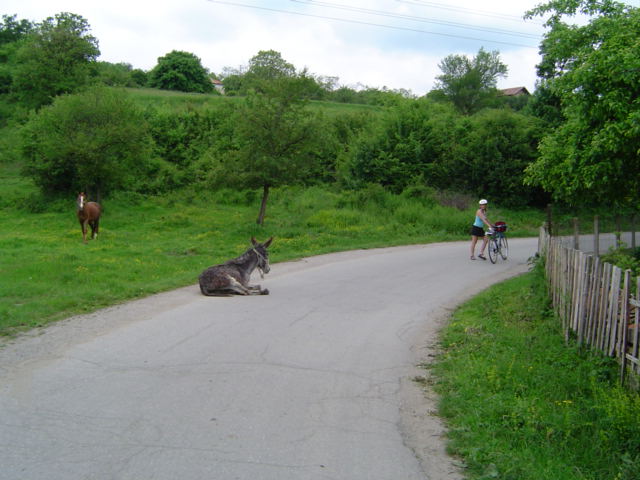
263, 205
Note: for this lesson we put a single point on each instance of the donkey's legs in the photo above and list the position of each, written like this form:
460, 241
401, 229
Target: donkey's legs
236, 286
257, 290
246, 290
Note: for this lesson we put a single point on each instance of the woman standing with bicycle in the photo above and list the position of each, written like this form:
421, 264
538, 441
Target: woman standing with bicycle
477, 230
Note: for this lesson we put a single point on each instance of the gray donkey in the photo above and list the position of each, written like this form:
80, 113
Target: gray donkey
232, 277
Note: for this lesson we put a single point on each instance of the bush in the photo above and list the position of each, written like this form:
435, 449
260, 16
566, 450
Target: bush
95, 141
625, 258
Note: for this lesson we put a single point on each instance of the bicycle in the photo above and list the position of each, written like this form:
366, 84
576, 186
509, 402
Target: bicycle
498, 244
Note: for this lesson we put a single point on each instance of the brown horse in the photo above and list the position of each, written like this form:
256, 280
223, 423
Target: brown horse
88, 213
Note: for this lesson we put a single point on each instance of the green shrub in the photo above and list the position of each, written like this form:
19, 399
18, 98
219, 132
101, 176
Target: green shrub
625, 258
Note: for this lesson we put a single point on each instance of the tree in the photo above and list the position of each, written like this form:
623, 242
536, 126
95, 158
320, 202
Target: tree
120, 75
277, 138
269, 65
181, 71
94, 141
12, 32
58, 57
492, 152
594, 70
470, 83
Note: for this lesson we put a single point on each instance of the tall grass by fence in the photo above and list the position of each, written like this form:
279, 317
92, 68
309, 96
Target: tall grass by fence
597, 302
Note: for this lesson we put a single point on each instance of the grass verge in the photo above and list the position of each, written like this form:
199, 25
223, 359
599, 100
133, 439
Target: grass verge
520, 404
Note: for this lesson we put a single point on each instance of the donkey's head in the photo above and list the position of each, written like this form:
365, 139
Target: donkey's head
262, 253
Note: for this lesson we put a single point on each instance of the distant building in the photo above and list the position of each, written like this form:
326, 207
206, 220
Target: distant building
514, 92
217, 84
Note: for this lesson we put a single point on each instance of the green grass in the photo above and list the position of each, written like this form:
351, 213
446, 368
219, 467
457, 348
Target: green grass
521, 404
153, 244
181, 101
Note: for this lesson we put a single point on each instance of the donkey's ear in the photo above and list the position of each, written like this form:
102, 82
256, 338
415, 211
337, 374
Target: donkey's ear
268, 242
254, 241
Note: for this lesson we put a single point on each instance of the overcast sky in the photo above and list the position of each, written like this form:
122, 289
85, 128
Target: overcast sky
396, 44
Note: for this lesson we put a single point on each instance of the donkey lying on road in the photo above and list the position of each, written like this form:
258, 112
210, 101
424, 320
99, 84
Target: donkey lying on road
232, 277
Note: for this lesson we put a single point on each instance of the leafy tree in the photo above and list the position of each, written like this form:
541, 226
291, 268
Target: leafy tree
120, 75
96, 141
470, 83
233, 84
265, 67
139, 77
58, 57
233, 80
594, 72
181, 71
278, 139
12, 32
545, 105
344, 94
494, 147
268, 65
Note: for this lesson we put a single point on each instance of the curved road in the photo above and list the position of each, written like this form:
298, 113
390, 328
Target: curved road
314, 381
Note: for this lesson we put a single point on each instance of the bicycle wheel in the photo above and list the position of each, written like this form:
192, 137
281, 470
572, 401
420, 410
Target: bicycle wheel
493, 249
504, 248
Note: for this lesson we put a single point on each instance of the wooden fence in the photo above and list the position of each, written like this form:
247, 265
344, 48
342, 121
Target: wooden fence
595, 301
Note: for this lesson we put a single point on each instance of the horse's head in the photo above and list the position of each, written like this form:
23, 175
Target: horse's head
80, 200
263, 255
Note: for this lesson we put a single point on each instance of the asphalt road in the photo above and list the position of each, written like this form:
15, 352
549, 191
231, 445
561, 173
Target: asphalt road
314, 381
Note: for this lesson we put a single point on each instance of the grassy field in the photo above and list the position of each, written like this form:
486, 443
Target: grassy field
152, 244
181, 101
521, 404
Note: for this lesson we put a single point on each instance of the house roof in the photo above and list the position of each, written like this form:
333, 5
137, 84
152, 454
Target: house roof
515, 91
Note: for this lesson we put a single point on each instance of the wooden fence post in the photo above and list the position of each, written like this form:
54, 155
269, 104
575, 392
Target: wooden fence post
576, 233
624, 325
549, 229
635, 346
613, 315
596, 235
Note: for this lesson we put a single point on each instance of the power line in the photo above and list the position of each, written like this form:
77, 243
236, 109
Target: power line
453, 8
359, 22
415, 18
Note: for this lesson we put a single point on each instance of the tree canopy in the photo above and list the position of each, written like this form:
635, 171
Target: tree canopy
469, 83
181, 71
12, 29
277, 139
57, 57
594, 72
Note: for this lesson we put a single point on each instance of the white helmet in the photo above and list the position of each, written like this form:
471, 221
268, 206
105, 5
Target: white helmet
483, 202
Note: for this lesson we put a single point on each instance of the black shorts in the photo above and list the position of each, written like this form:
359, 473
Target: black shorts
477, 231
